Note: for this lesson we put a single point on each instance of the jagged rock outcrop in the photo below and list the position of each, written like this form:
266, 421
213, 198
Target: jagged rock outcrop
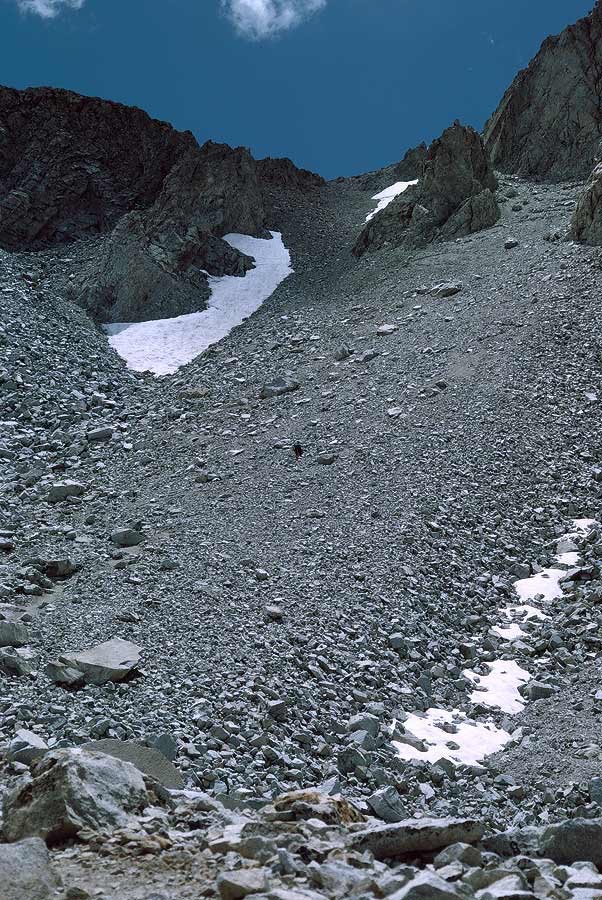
284, 173
74, 167
549, 122
71, 166
154, 264
453, 198
586, 224
407, 169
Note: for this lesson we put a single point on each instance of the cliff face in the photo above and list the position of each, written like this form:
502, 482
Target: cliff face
154, 262
454, 197
72, 167
549, 122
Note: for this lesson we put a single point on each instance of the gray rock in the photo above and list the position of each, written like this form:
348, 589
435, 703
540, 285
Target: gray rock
25, 871
13, 634
154, 264
415, 836
126, 537
278, 386
548, 123
387, 805
241, 882
73, 789
26, 747
447, 289
148, 761
455, 197
426, 886
62, 490
18, 661
100, 434
586, 223
113, 660
61, 673
510, 244
573, 841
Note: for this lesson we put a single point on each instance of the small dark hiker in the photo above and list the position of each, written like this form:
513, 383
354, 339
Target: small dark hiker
297, 450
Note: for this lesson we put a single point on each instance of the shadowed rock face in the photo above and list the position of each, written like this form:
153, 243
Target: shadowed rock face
586, 224
154, 263
71, 166
453, 198
284, 173
549, 122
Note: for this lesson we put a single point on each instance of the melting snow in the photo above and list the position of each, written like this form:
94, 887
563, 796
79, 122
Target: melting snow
500, 688
385, 197
474, 740
162, 346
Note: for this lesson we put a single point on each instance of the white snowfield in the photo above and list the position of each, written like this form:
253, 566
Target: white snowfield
385, 197
470, 741
163, 345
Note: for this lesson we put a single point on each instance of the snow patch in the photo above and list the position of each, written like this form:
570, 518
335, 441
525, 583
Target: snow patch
385, 197
163, 345
471, 741
499, 688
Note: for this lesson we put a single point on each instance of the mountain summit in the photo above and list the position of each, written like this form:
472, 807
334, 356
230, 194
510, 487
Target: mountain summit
549, 122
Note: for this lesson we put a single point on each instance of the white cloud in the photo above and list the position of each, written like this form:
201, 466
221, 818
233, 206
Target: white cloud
48, 9
258, 19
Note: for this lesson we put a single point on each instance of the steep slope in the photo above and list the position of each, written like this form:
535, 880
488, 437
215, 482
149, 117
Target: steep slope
549, 122
454, 197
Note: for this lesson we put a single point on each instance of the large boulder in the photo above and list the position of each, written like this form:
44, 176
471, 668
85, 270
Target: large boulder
113, 660
413, 836
586, 224
25, 871
73, 789
453, 198
548, 124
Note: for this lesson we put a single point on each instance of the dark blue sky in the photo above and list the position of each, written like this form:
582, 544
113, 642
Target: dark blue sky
348, 90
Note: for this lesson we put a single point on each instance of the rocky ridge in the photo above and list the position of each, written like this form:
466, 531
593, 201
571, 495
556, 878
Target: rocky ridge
453, 198
549, 122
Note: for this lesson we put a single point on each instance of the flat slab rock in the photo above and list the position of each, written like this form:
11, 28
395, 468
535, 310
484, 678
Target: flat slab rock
111, 661
25, 871
416, 836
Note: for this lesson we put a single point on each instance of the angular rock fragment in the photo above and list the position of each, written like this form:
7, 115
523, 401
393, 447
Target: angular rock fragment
72, 789
415, 836
148, 761
62, 490
13, 634
278, 386
25, 871
113, 660
126, 537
